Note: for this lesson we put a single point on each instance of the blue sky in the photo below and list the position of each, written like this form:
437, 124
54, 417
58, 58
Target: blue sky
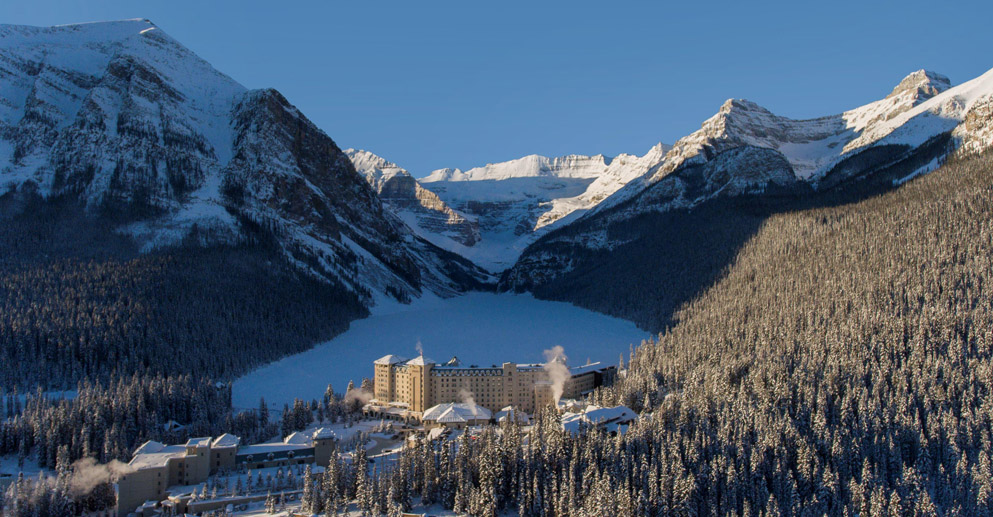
459, 84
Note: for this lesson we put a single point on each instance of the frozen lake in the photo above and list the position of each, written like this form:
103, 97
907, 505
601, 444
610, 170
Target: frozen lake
479, 328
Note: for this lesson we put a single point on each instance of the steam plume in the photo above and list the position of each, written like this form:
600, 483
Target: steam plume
87, 474
419, 347
558, 372
467, 397
357, 395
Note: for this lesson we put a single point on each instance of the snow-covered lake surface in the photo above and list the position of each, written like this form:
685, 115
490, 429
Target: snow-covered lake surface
479, 328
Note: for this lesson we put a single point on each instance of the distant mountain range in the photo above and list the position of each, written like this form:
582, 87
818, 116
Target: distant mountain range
123, 117
743, 149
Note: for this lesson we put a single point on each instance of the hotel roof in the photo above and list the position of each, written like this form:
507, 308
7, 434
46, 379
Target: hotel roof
297, 438
198, 442
592, 367
390, 359
420, 361
457, 409
323, 433
266, 448
155, 454
226, 440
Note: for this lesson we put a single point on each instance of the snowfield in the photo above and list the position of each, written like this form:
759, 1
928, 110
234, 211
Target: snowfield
479, 328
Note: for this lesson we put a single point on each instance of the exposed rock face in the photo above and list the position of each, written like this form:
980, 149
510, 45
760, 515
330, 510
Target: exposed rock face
419, 207
126, 118
921, 85
746, 149
112, 112
975, 134
516, 202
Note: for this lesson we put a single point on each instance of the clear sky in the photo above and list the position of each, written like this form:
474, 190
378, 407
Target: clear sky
459, 84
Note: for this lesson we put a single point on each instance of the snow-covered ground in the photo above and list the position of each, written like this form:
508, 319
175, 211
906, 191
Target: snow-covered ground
8, 465
479, 328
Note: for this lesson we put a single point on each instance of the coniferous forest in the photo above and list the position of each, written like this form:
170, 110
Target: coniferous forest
840, 367
81, 303
814, 297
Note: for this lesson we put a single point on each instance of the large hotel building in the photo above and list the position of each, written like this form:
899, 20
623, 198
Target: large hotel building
418, 384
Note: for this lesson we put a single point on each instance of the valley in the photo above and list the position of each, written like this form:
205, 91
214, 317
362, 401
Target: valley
770, 316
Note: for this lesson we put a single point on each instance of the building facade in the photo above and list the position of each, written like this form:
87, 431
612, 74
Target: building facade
155, 467
420, 383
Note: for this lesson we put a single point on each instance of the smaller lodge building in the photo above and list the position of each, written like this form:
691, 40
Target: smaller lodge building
155, 467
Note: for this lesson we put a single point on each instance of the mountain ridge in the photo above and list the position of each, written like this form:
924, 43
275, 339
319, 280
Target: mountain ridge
747, 163
126, 118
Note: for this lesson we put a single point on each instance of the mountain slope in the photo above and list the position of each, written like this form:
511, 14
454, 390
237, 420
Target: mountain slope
158, 217
743, 165
508, 204
125, 118
841, 365
420, 208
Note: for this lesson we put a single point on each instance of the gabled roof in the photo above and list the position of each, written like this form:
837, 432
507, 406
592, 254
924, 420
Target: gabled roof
420, 361
323, 433
465, 411
608, 418
149, 447
297, 438
226, 440
389, 359
155, 454
601, 415
451, 416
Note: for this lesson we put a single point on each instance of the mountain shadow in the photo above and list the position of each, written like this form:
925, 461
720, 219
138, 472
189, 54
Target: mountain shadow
653, 263
81, 302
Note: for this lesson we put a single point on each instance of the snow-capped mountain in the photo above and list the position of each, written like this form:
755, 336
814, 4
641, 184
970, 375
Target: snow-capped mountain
513, 203
420, 208
746, 149
810, 148
124, 117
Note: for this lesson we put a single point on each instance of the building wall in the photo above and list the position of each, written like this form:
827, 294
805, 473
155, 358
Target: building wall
222, 458
322, 451
544, 395
525, 387
576, 386
486, 385
147, 484
384, 382
196, 465
420, 387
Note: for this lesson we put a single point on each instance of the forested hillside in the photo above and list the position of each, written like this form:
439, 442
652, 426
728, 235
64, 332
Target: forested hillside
643, 265
842, 363
840, 367
80, 303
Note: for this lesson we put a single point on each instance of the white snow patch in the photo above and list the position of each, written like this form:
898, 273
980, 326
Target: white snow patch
480, 328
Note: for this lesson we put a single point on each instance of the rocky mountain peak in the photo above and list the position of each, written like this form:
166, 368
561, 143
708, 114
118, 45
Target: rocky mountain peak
740, 105
130, 121
420, 208
924, 84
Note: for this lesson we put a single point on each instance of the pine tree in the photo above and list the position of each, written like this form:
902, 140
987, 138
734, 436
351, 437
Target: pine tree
270, 503
307, 500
